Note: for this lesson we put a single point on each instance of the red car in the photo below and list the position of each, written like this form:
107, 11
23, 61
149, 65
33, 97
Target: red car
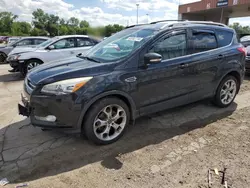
3, 39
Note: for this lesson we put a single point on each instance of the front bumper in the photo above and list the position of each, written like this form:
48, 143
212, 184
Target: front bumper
14, 64
51, 111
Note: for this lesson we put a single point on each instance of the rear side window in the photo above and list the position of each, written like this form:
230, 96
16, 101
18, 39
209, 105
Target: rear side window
81, 42
203, 41
39, 41
224, 38
24, 42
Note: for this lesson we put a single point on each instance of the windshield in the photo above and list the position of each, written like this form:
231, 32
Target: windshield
120, 45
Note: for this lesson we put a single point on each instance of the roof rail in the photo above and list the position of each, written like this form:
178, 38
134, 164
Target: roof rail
206, 23
134, 25
167, 21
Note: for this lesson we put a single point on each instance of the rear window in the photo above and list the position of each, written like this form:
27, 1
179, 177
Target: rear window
224, 38
202, 41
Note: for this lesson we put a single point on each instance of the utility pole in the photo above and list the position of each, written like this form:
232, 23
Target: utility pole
137, 5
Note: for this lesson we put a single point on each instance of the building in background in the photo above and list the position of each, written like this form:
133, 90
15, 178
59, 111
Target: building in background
215, 10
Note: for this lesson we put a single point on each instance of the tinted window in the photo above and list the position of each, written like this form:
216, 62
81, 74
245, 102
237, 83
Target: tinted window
84, 42
24, 42
65, 43
39, 41
224, 38
171, 47
202, 41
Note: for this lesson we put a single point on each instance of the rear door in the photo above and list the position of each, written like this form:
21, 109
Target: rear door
206, 59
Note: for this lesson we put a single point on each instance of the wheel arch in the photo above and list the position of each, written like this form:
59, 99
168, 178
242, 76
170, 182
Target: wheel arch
34, 59
234, 73
118, 94
1, 52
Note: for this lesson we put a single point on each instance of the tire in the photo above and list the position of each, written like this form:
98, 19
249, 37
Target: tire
101, 129
226, 93
29, 65
3, 57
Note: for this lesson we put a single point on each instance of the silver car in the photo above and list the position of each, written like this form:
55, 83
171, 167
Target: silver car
24, 41
54, 49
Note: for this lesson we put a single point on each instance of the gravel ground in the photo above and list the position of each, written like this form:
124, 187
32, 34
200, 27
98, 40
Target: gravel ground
182, 161
155, 153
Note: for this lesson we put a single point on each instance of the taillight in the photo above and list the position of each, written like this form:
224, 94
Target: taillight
242, 50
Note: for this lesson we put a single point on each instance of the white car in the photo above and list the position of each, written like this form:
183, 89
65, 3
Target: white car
54, 49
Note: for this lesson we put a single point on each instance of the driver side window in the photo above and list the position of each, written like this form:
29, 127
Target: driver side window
171, 46
65, 43
24, 42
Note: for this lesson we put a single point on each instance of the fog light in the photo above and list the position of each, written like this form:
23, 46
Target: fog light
49, 118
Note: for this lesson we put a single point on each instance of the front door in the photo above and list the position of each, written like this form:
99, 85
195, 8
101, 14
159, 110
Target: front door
63, 48
165, 84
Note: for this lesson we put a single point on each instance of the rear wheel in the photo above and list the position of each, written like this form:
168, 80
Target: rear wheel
2, 58
226, 91
106, 121
29, 65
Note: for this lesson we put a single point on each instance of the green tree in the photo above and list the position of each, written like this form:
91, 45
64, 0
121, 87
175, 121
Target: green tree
38, 32
6, 22
84, 24
73, 22
20, 29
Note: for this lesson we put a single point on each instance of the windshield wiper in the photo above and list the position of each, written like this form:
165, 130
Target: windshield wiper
88, 58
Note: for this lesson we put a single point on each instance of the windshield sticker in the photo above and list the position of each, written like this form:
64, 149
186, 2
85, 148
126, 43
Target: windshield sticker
136, 39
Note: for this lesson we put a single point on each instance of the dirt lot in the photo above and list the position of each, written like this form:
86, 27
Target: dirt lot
174, 148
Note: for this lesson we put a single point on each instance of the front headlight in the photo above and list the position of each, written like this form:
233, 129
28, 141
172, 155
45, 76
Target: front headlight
65, 86
14, 57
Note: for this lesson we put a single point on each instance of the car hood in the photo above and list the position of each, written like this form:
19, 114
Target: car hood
73, 67
21, 50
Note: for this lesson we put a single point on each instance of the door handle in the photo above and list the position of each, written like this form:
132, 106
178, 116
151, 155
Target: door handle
220, 56
72, 52
183, 66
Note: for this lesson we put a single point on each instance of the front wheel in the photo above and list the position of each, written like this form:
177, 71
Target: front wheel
2, 58
106, 121
226, 91
29, 65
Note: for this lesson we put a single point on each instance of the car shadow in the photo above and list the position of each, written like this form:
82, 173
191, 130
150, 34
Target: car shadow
11, 77
149, 130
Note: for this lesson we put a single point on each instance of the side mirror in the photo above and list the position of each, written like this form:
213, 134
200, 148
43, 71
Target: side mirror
14, 45
51, 47
152, 58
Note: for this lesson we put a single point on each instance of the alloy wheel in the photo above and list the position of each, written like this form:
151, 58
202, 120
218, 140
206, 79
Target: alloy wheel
110, 122
228, 92
32, 65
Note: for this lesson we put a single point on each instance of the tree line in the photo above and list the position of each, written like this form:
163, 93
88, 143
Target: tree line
44, 24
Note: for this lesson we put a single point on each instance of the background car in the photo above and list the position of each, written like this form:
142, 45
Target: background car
25, 41
4, 39
245, 41
54, 49
12, 39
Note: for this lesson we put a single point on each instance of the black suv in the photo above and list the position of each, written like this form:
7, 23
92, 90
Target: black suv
140, 70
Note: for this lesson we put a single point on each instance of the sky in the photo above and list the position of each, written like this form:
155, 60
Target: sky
101, 12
